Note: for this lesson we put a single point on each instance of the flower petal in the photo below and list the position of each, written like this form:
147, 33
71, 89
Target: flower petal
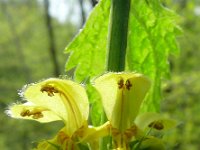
31, 112
154, 120
122, 94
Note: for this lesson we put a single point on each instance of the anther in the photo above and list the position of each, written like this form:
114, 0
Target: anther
128, 84
25, 113
37, 115
50, 90
120, 83
156, 125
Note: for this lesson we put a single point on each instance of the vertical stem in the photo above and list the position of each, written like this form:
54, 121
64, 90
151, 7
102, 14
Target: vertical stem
117, 41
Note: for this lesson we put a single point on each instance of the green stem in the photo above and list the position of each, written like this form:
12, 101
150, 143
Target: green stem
117, 43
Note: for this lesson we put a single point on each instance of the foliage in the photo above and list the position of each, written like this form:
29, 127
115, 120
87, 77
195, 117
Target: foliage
62, 94
151, 38
39, 109
181, 97
182, 102
181, 94
88, 49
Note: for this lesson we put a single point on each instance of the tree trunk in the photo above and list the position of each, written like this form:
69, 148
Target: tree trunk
52, 47
82, 12
93, 2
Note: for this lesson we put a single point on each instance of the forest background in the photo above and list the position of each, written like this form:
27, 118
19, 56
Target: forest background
33, 36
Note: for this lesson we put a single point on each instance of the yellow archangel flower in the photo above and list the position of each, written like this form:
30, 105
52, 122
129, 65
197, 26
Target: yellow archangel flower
122, 95
54, 99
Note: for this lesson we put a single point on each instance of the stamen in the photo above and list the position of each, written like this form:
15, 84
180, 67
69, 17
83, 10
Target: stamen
36, 114
157, 125
25, 113
128, 84
49, 89
120, 83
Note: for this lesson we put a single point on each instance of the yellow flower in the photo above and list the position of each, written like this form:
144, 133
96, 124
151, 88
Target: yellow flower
57, 99
122, 94
54, 99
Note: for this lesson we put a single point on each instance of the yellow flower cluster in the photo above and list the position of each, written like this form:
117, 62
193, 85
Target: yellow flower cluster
122, 95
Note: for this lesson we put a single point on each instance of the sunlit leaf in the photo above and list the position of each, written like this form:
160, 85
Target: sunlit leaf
151, 39
88, 49
96, 107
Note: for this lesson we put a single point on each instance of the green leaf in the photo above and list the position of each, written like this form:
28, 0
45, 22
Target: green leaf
96, 107
88, 49
151, 39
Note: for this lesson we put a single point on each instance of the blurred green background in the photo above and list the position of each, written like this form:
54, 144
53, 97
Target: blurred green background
33, 35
